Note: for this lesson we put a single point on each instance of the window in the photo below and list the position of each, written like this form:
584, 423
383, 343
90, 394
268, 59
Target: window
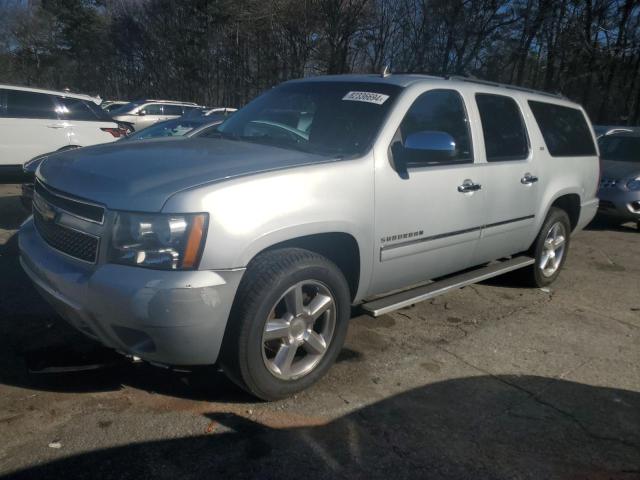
437, 111
620, 148
173, 110
564, 129
152, 109
505, 136
325, 117
21, 104
77, 109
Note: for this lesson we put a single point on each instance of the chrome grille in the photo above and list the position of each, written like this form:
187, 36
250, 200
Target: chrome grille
74, 206
66, 240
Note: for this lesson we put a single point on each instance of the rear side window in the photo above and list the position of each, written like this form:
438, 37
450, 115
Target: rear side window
77, 109
505, 136
564, 129
173, 110
153, 109
20, 104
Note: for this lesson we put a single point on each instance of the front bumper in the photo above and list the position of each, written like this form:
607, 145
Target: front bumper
167, 317
618, 203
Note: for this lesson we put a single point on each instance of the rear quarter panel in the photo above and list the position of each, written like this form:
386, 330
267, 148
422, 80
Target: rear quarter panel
561, 176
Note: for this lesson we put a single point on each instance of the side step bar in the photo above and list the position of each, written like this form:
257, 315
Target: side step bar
403, 299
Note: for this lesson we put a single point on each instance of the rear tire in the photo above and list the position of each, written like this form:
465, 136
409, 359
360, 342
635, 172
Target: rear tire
288, 323
549, 249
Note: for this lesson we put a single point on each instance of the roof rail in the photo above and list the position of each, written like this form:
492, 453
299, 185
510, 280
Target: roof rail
504, 85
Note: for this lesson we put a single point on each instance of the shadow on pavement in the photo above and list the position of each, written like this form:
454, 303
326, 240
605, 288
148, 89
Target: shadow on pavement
34, 337
601, 223
470, 428
12, 213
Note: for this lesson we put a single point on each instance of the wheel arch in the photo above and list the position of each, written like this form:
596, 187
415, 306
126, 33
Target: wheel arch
340, 247
570, 203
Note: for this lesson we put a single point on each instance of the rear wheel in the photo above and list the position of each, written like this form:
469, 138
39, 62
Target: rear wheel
288, 323
549, 249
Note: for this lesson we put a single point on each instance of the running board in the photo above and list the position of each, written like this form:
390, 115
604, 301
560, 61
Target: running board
406, 298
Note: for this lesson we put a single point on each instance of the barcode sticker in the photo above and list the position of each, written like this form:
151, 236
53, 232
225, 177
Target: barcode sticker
368, 97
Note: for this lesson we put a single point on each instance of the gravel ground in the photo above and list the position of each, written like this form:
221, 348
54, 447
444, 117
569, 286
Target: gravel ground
492, 381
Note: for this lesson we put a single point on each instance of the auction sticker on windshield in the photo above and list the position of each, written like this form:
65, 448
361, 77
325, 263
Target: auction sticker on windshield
369, 97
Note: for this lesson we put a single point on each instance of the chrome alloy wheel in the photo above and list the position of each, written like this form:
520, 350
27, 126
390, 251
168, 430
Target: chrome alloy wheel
553, 250
299, 329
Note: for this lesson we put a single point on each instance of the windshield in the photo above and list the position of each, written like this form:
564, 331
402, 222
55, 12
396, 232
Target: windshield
624, 149
337, 118
170, 128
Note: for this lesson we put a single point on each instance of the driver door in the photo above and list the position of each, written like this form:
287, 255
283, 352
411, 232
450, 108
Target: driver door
429, 203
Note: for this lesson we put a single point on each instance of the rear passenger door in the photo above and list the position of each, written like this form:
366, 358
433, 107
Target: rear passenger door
29, 126
428, 207
511, 178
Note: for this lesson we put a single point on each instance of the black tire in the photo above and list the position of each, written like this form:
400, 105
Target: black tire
266, 280
533, 275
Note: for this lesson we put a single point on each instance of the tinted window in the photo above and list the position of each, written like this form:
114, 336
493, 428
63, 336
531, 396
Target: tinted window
124, 109
565, 130
438, 111
153, 109
77, 109
334, 118
21, 104
624, 149
169, 128
505, 136
173, 110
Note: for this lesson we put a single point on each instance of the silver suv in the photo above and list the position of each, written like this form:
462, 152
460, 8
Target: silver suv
248, 246
144, 113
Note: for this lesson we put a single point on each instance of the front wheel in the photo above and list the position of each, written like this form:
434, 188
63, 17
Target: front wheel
549, 249
288, 323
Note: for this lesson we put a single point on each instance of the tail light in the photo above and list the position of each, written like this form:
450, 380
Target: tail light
116, 132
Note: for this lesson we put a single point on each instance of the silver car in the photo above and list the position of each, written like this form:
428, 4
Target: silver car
620, 178
144, 113
248, 246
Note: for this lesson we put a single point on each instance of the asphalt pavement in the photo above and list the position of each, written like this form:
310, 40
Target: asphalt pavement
494, 381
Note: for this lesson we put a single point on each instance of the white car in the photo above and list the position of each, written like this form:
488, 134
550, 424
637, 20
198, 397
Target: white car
143, 113
34, 122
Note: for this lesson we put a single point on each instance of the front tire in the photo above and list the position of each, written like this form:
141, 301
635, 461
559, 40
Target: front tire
288, 323
549, 249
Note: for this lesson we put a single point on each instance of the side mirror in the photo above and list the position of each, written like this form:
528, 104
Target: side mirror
142, 113
429, 147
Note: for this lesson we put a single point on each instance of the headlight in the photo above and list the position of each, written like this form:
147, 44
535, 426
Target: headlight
162, 241
634, 184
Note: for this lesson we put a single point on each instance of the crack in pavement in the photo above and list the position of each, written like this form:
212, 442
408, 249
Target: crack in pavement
535, 397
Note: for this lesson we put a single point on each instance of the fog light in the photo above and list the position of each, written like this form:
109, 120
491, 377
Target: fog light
635, 206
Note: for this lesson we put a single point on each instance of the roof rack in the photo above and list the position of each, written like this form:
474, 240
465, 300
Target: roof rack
165, 101
503, 85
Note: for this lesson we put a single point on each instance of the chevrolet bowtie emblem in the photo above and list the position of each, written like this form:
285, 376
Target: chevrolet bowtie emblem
47, 212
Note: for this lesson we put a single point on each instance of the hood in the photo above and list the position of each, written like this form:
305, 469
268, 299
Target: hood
620, 170
142, 175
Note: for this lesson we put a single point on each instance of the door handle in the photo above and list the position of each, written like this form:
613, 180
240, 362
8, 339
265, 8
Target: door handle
56, 125
528, 179
469, 187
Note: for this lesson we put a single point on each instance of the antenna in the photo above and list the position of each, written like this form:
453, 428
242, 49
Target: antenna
386, 71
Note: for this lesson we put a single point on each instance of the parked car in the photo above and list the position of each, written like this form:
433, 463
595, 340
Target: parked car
602, 130
619, 191
207, 111
35, 121
177, 127
143, 113
111, 105
248, 248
